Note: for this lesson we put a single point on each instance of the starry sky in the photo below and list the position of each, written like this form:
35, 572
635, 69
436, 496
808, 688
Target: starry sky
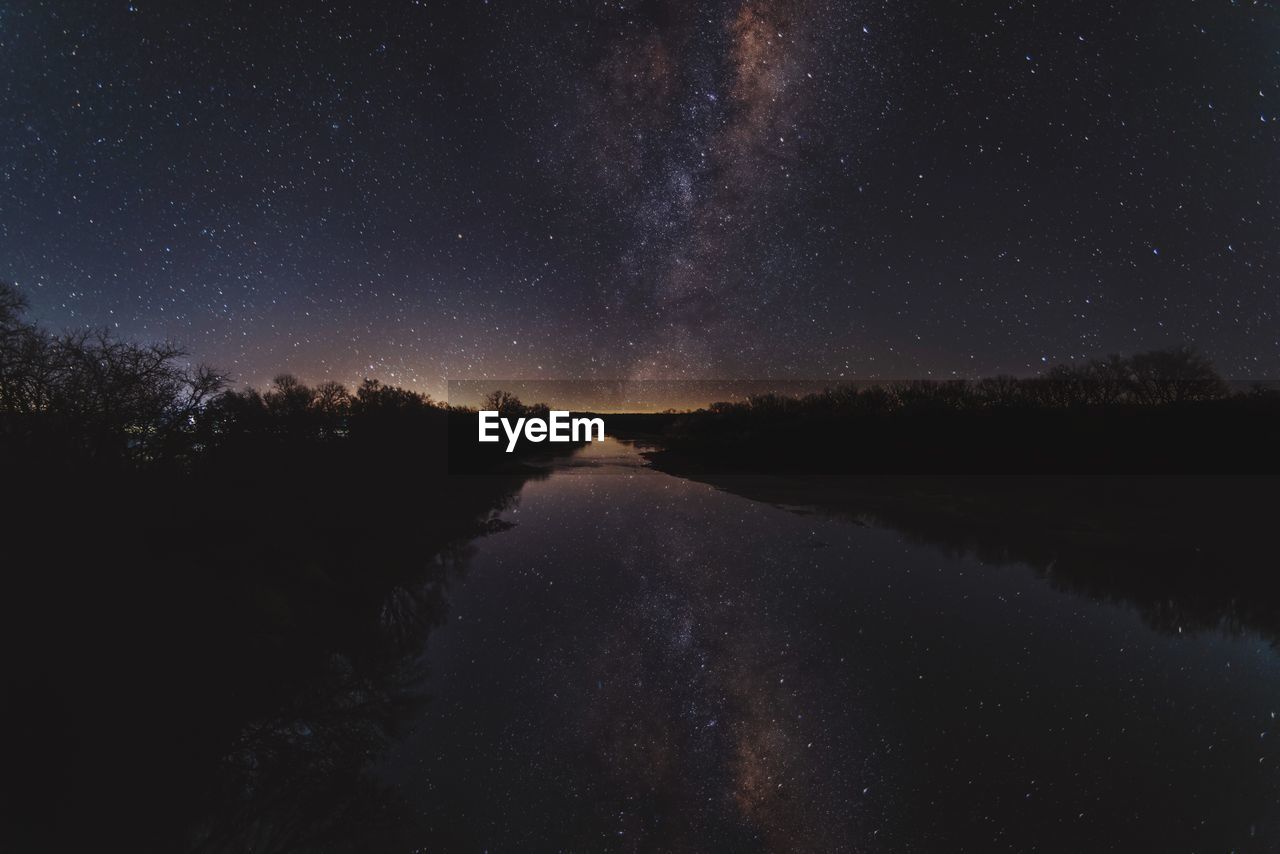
421, 190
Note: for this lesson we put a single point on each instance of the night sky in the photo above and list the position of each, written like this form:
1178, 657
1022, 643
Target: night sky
423, 190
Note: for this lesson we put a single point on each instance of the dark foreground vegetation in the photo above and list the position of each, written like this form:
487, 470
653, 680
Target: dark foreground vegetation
214, 598
207, 590
1164, 412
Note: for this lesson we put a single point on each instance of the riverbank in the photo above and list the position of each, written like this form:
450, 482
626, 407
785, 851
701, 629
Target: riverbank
188, 652
1190, 552
963, 428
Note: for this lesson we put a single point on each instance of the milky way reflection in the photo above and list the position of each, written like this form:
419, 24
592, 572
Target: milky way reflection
644, 663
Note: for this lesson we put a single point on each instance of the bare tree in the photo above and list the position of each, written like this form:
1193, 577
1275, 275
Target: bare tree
102, 397
503, 402
331, 398
1109, 380
1174, 376
1001, 390
288, 396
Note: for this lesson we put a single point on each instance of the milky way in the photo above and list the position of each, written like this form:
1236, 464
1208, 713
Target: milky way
757, 188
704, 120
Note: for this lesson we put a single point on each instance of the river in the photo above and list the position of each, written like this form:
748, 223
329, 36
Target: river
646, 663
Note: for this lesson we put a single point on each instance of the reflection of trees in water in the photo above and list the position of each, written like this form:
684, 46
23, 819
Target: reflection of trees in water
293, 780
237, 686
287, 588
1172, 592
1189, 554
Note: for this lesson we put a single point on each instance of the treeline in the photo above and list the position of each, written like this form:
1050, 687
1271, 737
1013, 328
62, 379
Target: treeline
88, 395
1161, 412
187, 558
1156, 378
90, 399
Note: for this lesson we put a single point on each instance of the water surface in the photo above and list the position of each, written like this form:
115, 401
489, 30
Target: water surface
644, 662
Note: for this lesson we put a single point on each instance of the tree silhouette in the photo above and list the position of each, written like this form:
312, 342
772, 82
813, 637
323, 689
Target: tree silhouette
504, 403
88, 394
1173, 376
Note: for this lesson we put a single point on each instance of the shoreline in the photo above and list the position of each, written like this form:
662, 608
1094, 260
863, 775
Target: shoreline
1187, 551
